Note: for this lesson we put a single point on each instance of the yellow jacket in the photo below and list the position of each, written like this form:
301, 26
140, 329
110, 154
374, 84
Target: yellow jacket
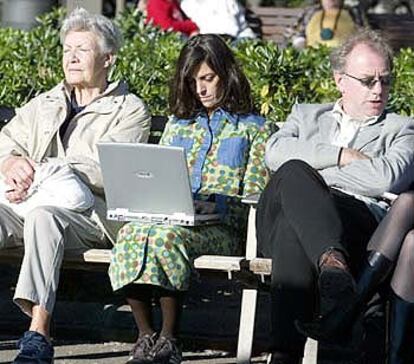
345, 27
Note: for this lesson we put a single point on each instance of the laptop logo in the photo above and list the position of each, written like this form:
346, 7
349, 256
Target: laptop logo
144, 174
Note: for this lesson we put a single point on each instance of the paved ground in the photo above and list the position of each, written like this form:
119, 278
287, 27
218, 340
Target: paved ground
70, 352
99, 329
90, 331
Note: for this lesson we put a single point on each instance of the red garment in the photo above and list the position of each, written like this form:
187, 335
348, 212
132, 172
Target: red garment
168, 15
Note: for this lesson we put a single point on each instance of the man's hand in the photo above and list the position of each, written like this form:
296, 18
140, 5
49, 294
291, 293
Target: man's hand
349, 155
204, 207
19, 174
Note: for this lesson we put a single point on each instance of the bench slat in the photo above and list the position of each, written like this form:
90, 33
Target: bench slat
277, 11
218, 262
399, 29
97, 256
275, 20
233, 263
282, 22
261, 266
273, 29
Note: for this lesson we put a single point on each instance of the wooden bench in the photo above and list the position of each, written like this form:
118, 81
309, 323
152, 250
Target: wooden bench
252, 265
399, 29
91, 259
275, 20
249, 265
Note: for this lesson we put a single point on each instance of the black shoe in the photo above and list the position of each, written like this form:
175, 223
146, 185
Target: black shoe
337, 294
140, 353
34, 348
166, 351
401, 345
340, 306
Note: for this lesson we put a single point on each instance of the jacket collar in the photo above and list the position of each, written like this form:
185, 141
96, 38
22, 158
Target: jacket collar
341, 115
61, 93
218, 113
328, 126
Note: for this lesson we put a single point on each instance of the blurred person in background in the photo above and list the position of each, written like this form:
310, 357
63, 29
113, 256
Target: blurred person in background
168, 15
224, 17
328, 23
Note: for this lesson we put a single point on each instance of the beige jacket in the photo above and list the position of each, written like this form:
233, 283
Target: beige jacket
116, 115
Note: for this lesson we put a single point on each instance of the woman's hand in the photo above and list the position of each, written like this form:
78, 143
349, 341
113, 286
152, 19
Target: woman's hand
16, 195
19, 174
204, 207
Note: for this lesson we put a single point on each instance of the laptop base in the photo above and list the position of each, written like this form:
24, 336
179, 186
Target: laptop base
163, 219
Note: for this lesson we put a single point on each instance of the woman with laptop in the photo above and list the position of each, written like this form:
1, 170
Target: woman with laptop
214, 121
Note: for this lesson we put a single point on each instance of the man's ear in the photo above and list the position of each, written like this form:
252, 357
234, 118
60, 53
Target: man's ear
339, 79
109, 60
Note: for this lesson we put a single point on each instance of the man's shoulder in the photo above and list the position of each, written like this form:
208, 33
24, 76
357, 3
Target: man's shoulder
57, 93
120, 90
312, 111
395, 123
397, 118
132, 101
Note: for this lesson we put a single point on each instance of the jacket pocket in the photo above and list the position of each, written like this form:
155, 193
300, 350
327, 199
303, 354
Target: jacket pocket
232, 152
186, 143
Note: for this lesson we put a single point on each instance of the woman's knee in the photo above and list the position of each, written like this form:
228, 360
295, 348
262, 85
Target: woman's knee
141, 235
407, 249
43, 217
42, 221
405, 201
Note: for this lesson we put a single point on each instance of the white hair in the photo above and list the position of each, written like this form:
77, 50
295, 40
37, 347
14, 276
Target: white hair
109, 36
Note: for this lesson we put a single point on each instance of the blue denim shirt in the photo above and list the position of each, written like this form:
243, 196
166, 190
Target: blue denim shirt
225, 153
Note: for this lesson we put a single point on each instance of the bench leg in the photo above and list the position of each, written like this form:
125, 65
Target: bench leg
246, 328
311, 352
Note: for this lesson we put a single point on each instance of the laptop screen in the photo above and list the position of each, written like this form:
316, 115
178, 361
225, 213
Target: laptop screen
145, 178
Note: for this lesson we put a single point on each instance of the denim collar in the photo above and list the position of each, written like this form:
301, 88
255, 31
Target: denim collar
202, 116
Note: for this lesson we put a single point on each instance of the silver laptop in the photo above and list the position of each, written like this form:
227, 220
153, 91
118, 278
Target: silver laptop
148, 183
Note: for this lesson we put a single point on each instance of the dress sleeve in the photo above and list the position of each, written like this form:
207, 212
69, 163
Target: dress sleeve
256, 175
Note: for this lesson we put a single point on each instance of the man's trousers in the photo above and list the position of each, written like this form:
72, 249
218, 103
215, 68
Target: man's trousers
299, 218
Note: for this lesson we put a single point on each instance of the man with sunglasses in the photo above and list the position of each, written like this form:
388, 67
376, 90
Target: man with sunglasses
333, 164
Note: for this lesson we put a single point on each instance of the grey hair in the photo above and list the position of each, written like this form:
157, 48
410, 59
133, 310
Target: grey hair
109, 36
371, 38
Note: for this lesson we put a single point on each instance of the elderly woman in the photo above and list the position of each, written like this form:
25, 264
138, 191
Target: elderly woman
64, 123
213, 120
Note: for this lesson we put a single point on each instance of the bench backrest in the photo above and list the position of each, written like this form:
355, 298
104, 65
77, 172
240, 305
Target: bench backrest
275, 20
399, 29
157, 127
6, 113
157, 123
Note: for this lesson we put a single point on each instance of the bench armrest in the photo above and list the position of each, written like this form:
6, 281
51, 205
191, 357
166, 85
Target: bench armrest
251, 200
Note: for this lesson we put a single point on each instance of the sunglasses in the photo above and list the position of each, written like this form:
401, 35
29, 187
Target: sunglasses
370, 81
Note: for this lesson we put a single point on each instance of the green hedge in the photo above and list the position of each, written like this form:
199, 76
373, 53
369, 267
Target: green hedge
30, 64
